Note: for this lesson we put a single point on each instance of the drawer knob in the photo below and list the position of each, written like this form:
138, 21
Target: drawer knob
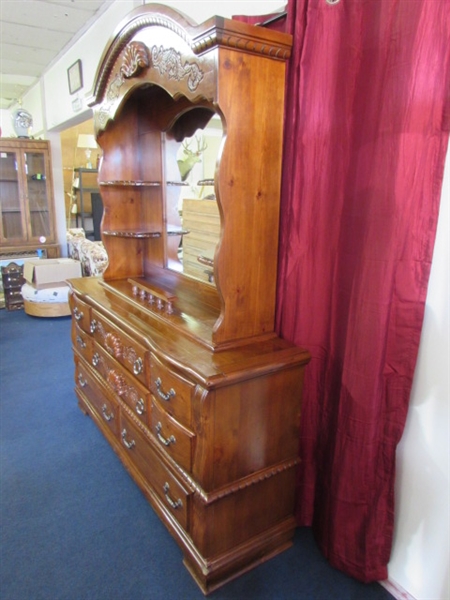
95, 359
138, 365
127, 444
173, 503
81, 342
81, 380
162, 439
106, 416
93, 326
170, 394
77, 314
140, 406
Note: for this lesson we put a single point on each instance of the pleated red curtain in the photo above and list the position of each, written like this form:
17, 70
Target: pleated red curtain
367, 122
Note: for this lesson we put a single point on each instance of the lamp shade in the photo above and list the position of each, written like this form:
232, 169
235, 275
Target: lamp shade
86, 140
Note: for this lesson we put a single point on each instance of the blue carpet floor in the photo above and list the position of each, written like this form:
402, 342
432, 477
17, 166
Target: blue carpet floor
73, 524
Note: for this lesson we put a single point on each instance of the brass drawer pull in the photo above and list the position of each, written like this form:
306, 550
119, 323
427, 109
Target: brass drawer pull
138, 365
81, 380
128, 444
77, 314
106, 416
81, 342
140, 407
174, 504
93, 326
170, 394
95, 359
162, 439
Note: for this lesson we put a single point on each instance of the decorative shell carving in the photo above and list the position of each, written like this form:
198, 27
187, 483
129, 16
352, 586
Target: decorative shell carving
135, 58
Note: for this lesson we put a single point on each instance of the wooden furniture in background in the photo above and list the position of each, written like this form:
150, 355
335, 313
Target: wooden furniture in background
12, 279
27, 226
187, 379
87, 185
201, 218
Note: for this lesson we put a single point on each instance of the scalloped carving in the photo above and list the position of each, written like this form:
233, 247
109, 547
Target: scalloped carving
168, 62
135, 59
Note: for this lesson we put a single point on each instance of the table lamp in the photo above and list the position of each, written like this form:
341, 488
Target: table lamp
88, 143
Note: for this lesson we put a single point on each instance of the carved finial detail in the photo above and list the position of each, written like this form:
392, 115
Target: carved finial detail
135, 58
168, 62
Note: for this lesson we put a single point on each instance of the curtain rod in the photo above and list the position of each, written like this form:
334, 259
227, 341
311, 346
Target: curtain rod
272, 20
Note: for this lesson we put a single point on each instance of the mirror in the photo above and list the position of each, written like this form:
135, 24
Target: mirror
192, 214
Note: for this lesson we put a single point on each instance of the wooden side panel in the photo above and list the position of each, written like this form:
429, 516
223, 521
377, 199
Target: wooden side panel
251, 99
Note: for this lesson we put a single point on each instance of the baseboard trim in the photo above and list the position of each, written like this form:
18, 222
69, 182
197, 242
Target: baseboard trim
396, 590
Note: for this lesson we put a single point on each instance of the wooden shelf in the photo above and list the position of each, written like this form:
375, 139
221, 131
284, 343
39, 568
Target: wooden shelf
133, 234
123, 183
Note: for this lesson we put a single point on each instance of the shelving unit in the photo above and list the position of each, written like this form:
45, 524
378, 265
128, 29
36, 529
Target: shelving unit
87, 184
27, 224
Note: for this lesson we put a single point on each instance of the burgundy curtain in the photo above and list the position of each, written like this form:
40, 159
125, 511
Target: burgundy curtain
367, 122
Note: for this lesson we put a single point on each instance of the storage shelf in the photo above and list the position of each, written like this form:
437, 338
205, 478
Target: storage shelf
133, 234
123, 183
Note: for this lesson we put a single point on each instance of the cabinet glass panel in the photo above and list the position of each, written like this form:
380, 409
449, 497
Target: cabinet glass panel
38, 201
12, 224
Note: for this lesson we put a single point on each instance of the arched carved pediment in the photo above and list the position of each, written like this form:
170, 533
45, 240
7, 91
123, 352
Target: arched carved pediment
166, 19
199, 39
136, 59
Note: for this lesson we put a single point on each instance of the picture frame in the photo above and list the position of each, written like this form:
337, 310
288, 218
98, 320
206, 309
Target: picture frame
75, 77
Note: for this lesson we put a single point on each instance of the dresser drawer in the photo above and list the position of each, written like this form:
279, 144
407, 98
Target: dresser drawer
175, 439
81, 312
172, 391
82, 342
103, 405
133, 356
174, 496
13, 282
135, 395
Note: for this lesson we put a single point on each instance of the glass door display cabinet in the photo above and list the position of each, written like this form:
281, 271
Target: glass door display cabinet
176, 355
26, 199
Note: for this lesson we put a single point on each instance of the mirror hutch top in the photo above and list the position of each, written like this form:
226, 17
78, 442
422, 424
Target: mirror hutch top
160, 80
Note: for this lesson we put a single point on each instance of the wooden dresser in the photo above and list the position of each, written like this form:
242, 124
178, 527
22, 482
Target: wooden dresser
186, 378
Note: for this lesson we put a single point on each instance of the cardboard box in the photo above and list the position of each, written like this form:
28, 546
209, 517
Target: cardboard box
50, 272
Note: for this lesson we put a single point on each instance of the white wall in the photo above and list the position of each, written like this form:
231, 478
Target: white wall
420, 556
421, 552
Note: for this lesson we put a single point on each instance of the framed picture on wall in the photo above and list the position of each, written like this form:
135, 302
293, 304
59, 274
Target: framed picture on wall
75, 76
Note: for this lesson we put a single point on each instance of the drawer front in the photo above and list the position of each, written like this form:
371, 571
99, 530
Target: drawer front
105, 406
81, 341
14, 295
175, 439
81, 312
13, 281
130, 354
172, 391
173, 495
122, 383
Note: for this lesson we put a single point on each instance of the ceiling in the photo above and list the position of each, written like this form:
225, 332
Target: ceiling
34, 34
